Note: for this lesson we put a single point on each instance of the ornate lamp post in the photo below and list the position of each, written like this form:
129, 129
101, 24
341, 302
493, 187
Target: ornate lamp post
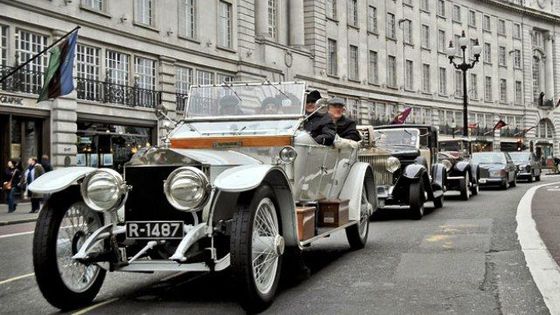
464, 67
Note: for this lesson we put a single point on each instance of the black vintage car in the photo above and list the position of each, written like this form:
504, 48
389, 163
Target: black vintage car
462, 175
496, 168
528, 167
416, 175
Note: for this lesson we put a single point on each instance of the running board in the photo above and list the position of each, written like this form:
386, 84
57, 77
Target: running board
328, 233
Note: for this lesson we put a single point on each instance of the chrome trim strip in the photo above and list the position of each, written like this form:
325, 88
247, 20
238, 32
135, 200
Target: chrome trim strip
163, 265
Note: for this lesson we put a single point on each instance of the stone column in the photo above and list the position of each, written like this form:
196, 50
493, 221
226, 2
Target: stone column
549, 68
168, 97
63, 131
296, 23
261, 18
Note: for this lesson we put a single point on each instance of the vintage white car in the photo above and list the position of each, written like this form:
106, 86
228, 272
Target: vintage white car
221, 193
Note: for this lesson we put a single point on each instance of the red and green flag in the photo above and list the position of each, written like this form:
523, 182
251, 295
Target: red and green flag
58, 78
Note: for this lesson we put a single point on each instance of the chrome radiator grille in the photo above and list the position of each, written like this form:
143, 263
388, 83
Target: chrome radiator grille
377, 162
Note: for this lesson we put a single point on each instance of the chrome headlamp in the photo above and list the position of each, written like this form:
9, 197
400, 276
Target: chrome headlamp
187, 188
287, 154
392, 164
447, 164
104, 190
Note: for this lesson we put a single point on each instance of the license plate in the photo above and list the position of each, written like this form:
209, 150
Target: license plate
154, 230
482, 180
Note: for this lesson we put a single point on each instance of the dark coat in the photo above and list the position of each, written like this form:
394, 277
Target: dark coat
321, 127
346, 128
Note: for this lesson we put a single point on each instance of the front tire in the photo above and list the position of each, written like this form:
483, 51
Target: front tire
62, 227
357, 234
416, 200
514, 182
257, 248
464, 187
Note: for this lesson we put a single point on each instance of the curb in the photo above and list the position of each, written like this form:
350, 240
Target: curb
2, 223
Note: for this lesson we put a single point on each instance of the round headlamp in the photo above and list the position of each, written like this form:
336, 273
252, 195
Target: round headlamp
104, 190
187, 188
392, 164
447, 165
287, 154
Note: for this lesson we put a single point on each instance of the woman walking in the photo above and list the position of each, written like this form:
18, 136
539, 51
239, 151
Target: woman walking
13, 176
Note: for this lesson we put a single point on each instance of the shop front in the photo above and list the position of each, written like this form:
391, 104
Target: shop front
110, 145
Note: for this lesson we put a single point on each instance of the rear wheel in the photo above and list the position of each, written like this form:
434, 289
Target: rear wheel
357, 234
538, 178
464, 187
60, 232
505, 185
514, 182
257, 247
416, 200
531, 177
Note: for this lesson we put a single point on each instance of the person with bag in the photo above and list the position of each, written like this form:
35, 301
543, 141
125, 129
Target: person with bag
33, 171
13, 175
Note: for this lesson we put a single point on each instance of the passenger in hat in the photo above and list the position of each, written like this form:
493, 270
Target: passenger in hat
345, 127
320, 126
229, 105
271, 106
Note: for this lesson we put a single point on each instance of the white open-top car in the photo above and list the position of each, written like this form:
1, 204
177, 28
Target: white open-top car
223, 192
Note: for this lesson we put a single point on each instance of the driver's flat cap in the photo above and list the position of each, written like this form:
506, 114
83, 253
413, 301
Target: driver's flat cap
336, 101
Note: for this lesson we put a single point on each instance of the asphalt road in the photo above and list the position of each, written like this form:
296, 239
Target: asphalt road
463, 258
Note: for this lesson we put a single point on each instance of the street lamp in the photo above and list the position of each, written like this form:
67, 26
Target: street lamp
464, 67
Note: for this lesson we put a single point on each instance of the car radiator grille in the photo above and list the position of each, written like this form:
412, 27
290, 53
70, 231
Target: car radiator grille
381, 175
484, 173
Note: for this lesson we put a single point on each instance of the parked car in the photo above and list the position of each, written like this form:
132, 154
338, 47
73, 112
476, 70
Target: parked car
220, 193
496, 168
416, 175
462, 175
528, 167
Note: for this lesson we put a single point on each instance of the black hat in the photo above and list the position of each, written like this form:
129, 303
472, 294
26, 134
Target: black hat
229, 100
336, 101
270, 100
313, 96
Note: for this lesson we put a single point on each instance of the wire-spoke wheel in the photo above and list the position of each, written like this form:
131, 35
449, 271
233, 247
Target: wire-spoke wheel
62, 228
257, 247
357, 234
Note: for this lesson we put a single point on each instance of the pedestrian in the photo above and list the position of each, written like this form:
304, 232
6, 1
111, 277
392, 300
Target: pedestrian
320, 126
345, 127
33, 171
45, 163
13, 176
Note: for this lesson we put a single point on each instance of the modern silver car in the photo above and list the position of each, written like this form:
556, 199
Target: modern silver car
495, 169
221, 193
528, 167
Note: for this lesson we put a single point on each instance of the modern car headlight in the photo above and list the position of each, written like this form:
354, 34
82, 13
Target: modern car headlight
187, 188
104, 190
392, 164
447, 164
287, 154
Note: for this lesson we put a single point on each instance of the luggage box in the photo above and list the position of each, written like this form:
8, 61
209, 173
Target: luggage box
333, 213
306, 222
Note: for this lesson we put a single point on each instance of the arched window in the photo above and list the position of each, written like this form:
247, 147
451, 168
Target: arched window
545, 129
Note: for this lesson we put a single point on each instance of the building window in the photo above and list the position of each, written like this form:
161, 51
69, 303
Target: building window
518, 93
391, 26
517, 59
408, 31
28, 45
425, 36
538, 39
272, 16
373, 68
536, 79
441, 8
426, 78
93, 4
145, 77
392, 71
488, 89
503, 90
442, 81
502, 56
353, 12
409, 71
188, 18
501, 27
441, 40
487, 53
204, 77
458, 83
353, 63
372, 19
331, 9
224, 78
517, 31
3, 45
117, 67
472, 18
425, 5
486, 23
457, 13
225, 33
88, 68
144, 12
474, 86
183, 79
352, 108
332, 58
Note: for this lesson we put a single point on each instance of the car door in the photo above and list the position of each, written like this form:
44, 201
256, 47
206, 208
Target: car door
510, 168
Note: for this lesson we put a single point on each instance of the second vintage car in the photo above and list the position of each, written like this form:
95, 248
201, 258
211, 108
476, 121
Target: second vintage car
528, 167
495, 169
462, 175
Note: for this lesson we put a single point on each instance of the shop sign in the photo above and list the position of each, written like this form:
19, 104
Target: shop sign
9, 99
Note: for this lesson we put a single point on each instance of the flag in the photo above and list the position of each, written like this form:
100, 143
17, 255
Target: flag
401, 117
58, 78
500, 124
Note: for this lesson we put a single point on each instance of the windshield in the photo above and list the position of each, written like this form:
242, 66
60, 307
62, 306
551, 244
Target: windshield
489, 158
397, 137
450, 146
520, 156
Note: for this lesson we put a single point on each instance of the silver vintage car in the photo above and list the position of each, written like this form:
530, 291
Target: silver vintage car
223, 192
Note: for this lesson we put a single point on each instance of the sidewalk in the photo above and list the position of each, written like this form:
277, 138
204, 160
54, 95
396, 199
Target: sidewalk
21, 214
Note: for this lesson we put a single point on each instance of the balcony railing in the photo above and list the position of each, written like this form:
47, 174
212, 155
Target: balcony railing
107, 92
24, 80
508, 132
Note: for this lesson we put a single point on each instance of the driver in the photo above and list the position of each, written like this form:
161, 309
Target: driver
345, 127
229, 105
320, 126
271, 106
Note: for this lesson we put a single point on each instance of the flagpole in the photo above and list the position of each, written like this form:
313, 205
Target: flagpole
39, 54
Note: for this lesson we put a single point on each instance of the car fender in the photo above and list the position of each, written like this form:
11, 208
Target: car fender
360, 173
414, 171
59, 179
242, 178
462, 166
438, 176
474, 173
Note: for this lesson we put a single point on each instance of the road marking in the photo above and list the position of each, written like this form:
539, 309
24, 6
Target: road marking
543, 268
16, 234
94, 306
16, 278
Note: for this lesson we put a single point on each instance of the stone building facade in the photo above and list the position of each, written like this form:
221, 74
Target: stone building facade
381, 55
